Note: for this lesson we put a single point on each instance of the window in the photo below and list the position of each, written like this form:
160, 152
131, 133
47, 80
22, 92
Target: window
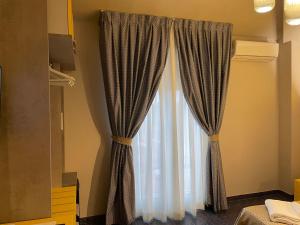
169, 152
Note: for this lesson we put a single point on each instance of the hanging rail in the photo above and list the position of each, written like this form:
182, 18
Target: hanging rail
61, 77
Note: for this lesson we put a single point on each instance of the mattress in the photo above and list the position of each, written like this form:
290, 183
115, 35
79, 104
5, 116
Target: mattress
255, 215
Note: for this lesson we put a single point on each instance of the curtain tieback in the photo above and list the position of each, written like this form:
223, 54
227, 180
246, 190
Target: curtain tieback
122, 140
214, 137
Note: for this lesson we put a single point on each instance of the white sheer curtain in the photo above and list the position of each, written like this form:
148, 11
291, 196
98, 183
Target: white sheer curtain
169, 152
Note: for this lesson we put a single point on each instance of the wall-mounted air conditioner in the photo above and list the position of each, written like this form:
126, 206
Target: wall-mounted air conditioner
255, 51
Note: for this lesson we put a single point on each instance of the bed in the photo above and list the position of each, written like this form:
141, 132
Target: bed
255, 215
258, 215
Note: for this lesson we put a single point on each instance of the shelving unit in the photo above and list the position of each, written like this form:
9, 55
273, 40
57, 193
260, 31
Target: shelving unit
32, 149
61, 51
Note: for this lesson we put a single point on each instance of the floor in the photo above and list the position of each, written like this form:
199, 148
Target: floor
207, 217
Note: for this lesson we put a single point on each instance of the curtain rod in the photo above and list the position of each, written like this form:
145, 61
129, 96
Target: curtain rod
172, 18
250, 38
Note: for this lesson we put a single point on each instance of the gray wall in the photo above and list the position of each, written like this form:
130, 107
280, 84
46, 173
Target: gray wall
24, 127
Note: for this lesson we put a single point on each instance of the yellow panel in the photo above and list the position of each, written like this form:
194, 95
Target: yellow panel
65, 192
65, 218
297, 196
64, 189
297, 190
63, 195
64, 208
66, 200
70, 19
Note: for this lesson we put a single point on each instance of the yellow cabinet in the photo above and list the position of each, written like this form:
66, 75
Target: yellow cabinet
63, 205
297, 190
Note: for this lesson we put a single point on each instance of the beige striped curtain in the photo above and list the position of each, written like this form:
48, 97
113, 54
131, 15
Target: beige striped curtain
204, 51
133, 50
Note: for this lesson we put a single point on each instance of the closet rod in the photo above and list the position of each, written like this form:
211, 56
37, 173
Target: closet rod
56, 81
65, 78
56, 72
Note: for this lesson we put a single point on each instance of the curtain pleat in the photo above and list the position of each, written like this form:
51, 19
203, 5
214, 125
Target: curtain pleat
133, 51
204, 51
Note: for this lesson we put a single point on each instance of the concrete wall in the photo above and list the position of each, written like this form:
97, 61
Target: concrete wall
87, 130
284, 84
289, 102
295, 113
249, 136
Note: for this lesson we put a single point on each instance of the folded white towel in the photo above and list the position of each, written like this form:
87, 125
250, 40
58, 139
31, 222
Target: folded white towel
296, 206
283, 212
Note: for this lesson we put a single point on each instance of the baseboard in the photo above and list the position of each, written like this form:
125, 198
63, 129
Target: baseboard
100, 219
260, 194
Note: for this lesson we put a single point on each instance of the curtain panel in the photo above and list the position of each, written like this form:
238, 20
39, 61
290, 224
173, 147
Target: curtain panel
204, 51
169, 153
133, 52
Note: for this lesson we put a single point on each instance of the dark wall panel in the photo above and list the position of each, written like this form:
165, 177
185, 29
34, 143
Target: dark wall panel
57, 135
25, 184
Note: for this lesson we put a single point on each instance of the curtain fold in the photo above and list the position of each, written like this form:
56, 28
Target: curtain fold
204, 51
133, 52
